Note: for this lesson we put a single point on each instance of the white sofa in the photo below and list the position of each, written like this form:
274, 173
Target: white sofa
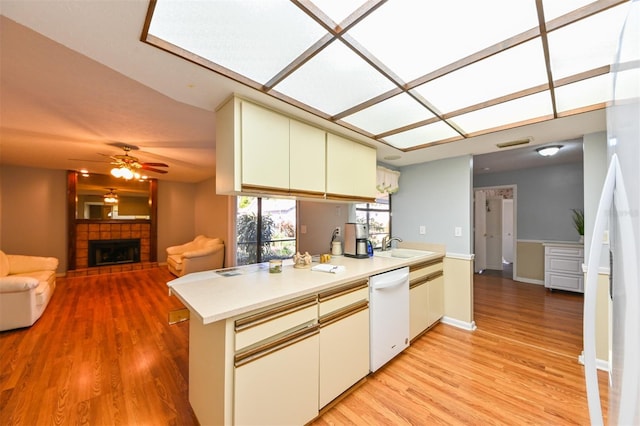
201, 254
26, 286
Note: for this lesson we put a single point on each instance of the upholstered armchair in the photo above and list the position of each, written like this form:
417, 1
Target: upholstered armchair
201, 254
26, 286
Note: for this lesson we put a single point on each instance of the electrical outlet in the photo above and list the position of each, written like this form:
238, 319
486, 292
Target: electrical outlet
337, 231
423, 230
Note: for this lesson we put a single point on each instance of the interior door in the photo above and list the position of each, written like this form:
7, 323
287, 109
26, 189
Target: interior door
494, 233
479, 232
507, 230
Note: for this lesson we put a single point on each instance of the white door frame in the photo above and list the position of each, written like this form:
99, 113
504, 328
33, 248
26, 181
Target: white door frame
514, 189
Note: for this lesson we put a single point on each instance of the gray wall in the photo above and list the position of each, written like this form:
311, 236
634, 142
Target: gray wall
545, 197
33, 211
437, 195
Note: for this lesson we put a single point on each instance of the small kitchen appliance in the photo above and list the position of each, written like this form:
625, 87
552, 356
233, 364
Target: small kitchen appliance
355, 240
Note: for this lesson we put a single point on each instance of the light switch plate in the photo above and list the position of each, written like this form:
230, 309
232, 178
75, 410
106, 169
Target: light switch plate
458, 231
423, 230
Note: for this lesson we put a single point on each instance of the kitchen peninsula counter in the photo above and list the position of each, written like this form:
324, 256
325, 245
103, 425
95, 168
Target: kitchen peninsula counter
212, 296
275, 348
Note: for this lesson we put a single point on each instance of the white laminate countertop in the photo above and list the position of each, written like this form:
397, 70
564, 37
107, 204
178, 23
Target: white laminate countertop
213, 297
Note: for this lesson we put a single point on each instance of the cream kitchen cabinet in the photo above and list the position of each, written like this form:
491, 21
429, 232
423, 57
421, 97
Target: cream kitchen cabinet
344, 339
261, 151
426, 296
276, 365
351, 169
563, 266
265, 148
307, 165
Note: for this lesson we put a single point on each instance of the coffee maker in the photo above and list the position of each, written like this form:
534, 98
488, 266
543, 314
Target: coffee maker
356, 236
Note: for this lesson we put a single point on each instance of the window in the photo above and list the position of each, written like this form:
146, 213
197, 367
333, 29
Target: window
378, 217
276, 219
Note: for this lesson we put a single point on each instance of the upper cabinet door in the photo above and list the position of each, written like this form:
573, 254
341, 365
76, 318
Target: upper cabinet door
265, 147
351, 168
307, 159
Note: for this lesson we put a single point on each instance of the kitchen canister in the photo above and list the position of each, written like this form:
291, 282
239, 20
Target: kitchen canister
336, 248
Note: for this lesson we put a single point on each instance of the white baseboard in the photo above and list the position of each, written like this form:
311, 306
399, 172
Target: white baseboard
529, 280
601, 364
470, 326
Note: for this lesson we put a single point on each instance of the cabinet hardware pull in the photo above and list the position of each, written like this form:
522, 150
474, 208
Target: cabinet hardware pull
343, 313
350, 288
250, 355
271, 314
425, 264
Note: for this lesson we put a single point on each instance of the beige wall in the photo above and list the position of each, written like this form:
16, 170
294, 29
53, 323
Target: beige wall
458, 291
33, 212
603, 307
212, 213
530, 261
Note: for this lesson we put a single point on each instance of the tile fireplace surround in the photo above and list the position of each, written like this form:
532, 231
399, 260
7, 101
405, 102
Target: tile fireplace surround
111, 231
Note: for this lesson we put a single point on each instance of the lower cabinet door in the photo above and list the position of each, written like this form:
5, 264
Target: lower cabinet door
280, 388
344, 355
418, 309
436, 300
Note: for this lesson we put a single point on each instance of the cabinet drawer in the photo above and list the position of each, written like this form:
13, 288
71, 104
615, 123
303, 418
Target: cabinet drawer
424, 269
265, 324
564, 282
564, 264
336, 299
564, 251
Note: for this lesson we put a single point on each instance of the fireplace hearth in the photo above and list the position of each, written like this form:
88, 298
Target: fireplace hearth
113, 252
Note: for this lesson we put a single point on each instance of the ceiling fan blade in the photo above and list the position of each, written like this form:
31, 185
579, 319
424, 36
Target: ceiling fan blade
154, 164
151, 169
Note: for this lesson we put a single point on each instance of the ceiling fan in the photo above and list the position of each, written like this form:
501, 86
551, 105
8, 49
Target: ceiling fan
128, 166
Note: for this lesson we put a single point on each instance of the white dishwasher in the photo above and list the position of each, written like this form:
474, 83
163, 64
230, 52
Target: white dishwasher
388, 315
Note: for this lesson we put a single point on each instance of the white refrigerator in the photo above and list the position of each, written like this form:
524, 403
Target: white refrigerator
619, 210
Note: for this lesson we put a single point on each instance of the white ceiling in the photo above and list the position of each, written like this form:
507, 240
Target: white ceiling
75, 79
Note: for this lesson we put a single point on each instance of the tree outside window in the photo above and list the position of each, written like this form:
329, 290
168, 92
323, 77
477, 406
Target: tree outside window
276, 220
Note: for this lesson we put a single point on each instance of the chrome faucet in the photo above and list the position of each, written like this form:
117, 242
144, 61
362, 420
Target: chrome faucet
386, 242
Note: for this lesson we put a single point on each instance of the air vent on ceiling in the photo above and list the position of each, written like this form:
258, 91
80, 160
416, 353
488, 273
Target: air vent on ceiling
513, 143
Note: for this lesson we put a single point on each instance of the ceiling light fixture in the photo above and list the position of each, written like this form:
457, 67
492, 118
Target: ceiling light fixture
111, 198
548, 151
124, 171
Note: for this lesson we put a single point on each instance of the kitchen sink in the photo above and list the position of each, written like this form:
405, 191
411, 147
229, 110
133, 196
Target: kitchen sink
403, 253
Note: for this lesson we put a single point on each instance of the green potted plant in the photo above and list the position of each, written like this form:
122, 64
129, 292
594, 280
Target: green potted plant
578, 222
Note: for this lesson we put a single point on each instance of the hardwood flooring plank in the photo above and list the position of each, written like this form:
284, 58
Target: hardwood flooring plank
104, 353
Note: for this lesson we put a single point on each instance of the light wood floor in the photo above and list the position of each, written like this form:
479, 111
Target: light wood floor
103, 353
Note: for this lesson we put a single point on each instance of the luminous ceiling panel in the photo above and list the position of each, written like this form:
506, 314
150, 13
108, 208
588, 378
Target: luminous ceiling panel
236, 35
555, 8
583, 93
334, 80
338, 10
516, 111
515, 69
399, 111
429, 35
422, 135
483, 58
586, 44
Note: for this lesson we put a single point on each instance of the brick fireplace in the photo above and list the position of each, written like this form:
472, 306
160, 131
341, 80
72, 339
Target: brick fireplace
98, 231
113, 230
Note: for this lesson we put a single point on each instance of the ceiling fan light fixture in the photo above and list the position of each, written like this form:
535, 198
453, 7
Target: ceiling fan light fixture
548, 151
111, 198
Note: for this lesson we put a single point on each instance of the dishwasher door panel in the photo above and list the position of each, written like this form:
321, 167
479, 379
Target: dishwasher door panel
389, 315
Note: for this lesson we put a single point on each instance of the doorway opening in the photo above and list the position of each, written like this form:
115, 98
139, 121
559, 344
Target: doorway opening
495, 230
